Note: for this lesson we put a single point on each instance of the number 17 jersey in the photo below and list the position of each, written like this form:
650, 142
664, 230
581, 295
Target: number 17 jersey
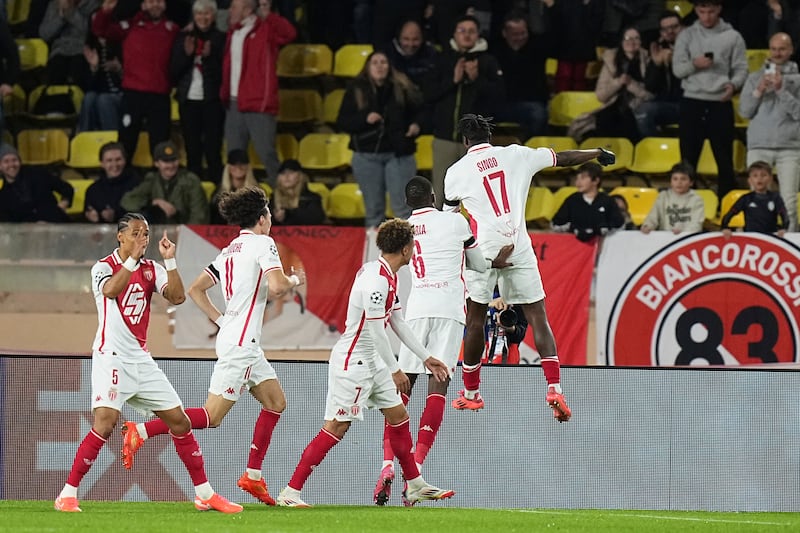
492, 183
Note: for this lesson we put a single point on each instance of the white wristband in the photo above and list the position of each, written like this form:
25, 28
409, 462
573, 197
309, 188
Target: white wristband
170, 264
294, 279
130, 264
219, 320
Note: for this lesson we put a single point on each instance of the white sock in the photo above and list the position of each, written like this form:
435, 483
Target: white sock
291, 493
556, 386
204, 491
470, 394
69, 492
416, 483
254, 474
142, 430
387, 463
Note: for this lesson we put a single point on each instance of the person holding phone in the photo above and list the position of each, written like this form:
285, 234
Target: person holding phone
709, 59
771, 99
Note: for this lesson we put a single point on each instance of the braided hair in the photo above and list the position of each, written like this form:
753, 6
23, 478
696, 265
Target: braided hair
475, 128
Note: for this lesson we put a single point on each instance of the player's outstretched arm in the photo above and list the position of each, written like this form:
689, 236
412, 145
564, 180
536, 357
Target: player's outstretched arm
568, 158
198, 292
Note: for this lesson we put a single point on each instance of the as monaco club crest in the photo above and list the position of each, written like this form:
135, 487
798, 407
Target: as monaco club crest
705, 300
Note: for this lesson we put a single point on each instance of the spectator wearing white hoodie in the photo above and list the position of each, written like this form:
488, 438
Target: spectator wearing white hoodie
677, 209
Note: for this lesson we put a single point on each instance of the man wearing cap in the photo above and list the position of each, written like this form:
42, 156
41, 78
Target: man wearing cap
169, 194
26, 193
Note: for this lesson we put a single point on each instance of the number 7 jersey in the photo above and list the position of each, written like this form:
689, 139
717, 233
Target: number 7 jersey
492, 183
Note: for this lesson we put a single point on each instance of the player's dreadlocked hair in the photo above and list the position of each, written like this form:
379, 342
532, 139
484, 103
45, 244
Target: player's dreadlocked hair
475, 128
244, 206
419, 192
125, 221
394, 235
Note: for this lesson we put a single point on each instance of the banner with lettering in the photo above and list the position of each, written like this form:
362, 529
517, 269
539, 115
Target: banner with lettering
701, 299
310, 317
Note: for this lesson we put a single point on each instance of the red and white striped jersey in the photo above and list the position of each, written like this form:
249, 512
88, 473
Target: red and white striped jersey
122, 321
241, 270
373, 296
437, 266
492, 183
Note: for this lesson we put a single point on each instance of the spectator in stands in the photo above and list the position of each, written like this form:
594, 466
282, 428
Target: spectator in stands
250, 80
677, 209
709, 58
411, 55
621, 89
196, 67
574, 34
588, 212
292, 204
389, 16
100, 109
764, 211
237, 174
147, 40
624, 210
771, 100
522, 61
639, 14
27, 192
169, 194
469, 80
759, 20
103, 197
65, 28
660, 81
9, 67
380, 110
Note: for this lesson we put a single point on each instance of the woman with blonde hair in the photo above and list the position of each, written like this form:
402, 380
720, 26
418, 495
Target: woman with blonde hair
292, 204
381, 111
237, 174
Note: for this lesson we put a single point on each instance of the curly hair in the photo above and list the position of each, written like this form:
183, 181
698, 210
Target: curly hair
394, 235
475, 128
243, 207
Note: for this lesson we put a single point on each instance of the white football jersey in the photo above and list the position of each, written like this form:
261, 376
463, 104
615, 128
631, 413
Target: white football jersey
122, 321
437, 280
241, 269
372, 297
492, 183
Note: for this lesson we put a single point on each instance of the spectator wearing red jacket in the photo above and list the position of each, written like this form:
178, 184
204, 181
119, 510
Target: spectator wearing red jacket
250, 79
147, 41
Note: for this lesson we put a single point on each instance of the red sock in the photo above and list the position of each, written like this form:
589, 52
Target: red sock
429, 424
191, 455
261, 437
312, 456
400, 437
552, 369
388, 453
471, 376
87, 452
198, 416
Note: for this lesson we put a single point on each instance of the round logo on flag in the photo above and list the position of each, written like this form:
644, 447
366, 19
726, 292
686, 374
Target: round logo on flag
707, 300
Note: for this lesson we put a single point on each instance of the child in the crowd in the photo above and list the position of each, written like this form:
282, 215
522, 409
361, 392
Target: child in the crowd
764, 210
677, 209
624, 210
589, 212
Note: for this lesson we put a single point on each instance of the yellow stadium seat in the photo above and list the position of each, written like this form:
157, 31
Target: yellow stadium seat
325, 151
17, 11
681, 7
551, 66
208, 187
710, 201
655, 155
707, 165
756, 58
727, 202
14, 103
347, 202
567, 105
555, 143
287, 146
331, 104
424, 153
143, 156
539, 207
84, 148
622, 148
33, 53
323, 191
349, 59
640, 201
738, 120
75, 92
174, 109
43, 147
299, 105
559, 196
79, 199
304, 60
267, 189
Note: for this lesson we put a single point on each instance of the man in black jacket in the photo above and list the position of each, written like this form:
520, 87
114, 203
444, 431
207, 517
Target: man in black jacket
27, 192
104, 195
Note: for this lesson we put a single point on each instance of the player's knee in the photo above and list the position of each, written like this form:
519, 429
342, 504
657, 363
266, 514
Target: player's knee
277, 405
179, 424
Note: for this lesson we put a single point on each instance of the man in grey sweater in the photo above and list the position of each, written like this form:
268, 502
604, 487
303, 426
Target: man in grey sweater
771, 100
710, 60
